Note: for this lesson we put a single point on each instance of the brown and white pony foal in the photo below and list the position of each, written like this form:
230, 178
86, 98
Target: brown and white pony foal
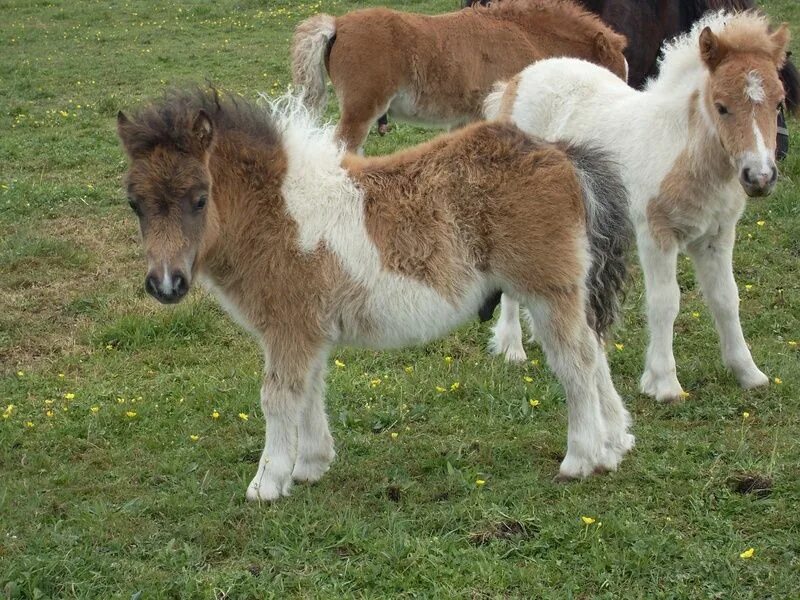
436, 70
309, 247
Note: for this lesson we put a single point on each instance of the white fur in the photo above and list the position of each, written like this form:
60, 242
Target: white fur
646, 131
754, 87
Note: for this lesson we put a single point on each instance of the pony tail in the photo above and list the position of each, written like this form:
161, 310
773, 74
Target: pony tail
311, 45
609, 230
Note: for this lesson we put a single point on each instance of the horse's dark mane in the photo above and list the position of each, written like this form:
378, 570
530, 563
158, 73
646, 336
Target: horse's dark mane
168, 121
511, 8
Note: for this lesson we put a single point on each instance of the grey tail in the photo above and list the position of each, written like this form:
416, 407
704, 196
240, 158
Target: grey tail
609, 230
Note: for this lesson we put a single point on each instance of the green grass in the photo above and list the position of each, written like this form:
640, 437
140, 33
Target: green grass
103, 505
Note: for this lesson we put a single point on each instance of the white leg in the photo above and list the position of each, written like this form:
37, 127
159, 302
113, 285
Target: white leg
617, 418
660, 379
507, 338
528, 318
281, 406
315, 444
713, 259
572, 349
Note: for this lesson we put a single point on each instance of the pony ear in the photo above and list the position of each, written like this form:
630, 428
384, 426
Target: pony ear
203, 130
123, 129
712, 49
602, 47
780, 40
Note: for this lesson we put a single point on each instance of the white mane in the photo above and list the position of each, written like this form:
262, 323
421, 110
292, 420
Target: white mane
680, 60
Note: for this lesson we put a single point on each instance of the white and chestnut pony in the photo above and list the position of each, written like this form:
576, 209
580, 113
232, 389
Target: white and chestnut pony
309, 247
436, 70
692, 146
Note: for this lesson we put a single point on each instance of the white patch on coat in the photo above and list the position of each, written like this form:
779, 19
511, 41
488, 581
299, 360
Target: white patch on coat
754, 87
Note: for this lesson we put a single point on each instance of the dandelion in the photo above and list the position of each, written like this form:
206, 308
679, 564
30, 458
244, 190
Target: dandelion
374, 383
534, 403
95, 409
748, 286
409, 369
49, 413
748, 553
455, 386
761, 223
792, 344
29, 424
527, 379
69, 396
339, 364
130, 414
587, 520
778, 381
20, 373
480, 482
394, 435
696, 315
244, 416
448, 360
7, 412
194, 437
745, 415
440, 389
619, 347
215, 415
684, 395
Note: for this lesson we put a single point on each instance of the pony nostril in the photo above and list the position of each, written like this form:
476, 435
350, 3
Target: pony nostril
179, 284
774, 176
151, 285
746, 175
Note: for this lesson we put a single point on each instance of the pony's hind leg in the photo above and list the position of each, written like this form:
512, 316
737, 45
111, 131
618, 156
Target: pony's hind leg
572, 351
617, 418
713, 260
358, 113
507, 338
315, 444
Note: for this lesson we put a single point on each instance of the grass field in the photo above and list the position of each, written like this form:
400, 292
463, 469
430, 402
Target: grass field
116, 478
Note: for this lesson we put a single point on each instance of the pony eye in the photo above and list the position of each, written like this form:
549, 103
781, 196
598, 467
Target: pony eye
201, 202
721, 108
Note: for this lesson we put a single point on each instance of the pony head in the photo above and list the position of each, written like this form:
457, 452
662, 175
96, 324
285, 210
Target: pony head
169, 189
743, 94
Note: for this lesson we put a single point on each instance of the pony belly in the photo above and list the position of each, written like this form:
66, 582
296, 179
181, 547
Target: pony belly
405, 106
403, 312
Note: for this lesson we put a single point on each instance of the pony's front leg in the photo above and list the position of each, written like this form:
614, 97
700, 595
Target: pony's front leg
713, 259
660, 379
282, 404
507, 338
315, 444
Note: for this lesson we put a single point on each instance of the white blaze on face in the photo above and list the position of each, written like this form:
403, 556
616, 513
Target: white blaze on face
759, 160
754, 87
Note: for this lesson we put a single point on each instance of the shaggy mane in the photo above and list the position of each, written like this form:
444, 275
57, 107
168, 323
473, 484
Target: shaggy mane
561, 9
168, 121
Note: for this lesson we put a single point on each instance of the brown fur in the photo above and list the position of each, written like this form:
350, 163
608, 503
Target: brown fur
445, 65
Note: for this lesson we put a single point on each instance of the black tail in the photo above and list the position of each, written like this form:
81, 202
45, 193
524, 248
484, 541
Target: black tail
609, 230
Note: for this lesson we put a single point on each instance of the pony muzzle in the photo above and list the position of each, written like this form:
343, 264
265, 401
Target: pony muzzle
166, 285
758, 181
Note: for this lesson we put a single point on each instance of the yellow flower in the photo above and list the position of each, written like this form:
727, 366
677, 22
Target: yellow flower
619, 347
745, 415
778, 381
49, 402
696, 315
448, 359
480, 482
95, 409
244, 416
28, 424
374, 383
535, 362
748, 553
120, 400
792, 344
20, 373
339, 364
455, 386
587, 520
409, 369
7, 412
684, 395
194, 437
69, 395
748, 286
761, 223
109, 347
49, 413
394, 435
533, 403
527, 379
61, 375
440, 389
215, 415
130, 414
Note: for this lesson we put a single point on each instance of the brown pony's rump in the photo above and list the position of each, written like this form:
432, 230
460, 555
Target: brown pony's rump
437, 69
310, 248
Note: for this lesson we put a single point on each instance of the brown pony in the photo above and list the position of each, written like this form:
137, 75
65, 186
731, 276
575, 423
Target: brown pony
310, 248
437, 69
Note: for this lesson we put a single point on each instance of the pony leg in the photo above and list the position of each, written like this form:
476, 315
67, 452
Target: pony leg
315, 444
572, 349
713, 259
352, 130
660, 379
507, 338
617, 418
